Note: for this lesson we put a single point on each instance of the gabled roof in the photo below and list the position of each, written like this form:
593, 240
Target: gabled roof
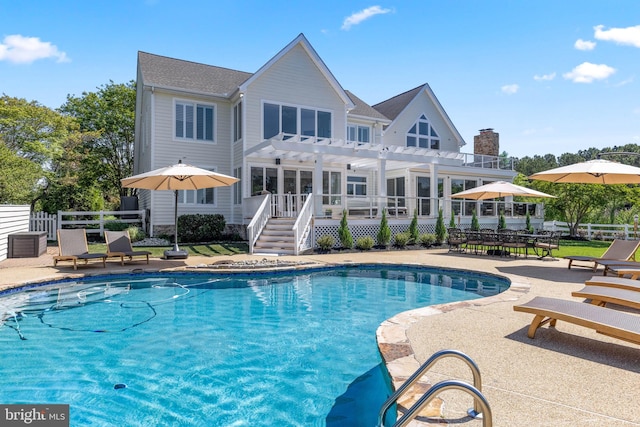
362, 109
304, 43
392, 107
170, 73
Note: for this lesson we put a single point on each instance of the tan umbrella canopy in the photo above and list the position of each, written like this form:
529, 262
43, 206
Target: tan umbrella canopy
597, 171
498, 189
178, 177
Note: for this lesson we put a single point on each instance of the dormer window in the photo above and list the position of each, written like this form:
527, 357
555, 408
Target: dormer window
423, 135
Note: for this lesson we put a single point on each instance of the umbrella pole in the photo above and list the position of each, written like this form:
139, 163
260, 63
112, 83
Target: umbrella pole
176, 253
175, 216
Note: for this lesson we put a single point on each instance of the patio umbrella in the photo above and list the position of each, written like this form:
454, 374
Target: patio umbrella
178, 177
498, 189
597, 171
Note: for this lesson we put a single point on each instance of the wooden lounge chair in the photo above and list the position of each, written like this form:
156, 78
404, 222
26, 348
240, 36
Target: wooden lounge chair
614, 323
601, 295
72, 246
119, 245
611, 265
625, 271
618, 250
614, 282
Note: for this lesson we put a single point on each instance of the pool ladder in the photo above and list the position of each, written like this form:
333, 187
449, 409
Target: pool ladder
480, 410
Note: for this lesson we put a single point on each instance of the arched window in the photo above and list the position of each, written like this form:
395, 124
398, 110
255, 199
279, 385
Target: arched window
423, 135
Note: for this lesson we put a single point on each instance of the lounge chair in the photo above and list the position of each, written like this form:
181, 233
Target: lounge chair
119, 245
614, 282
614, 323
618, 250
611, 265
72, 246
601, 295
632, 272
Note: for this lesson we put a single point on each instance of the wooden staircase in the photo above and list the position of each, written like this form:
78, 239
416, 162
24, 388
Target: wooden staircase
276, 237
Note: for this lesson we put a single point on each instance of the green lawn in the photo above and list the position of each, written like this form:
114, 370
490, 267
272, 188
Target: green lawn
567, 247
208, 249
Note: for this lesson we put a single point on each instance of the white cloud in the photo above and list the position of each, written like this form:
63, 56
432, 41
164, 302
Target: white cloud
584, 45
627, 36
362, 15
544, 77
588, 72
510, 89
24, 50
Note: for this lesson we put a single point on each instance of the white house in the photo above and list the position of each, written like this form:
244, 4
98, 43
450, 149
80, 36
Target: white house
290, 131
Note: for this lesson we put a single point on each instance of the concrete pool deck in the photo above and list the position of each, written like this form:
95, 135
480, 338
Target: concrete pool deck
567, 376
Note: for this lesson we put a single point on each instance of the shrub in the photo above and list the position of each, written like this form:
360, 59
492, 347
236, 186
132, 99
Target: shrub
364, 243
441, 232
413, 227
452, 221
116, 225
136, 233
384, 233
326, 242
502, 222
200, 228
427, 239
528, 222
402, 239
475, 225
346, 239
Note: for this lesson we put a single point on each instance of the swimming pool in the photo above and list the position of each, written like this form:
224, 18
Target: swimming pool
268, 349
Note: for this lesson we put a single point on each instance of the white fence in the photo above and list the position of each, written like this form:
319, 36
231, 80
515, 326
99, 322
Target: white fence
93, 221
597, 231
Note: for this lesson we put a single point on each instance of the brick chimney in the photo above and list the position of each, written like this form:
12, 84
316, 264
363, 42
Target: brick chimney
487, 143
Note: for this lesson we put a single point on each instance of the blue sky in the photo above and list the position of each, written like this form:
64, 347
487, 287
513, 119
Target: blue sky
550, 76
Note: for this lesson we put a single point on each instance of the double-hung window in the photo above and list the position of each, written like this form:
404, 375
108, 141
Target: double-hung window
290, 120
356, 185
194, 121
359, 134
204, 196
423, 135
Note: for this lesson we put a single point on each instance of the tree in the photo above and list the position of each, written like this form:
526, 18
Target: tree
452, 221
441, 232
502, 223
110, 113
36, 134
475, 225
18, 177
413, 227
384, 233
528, 222
343, 232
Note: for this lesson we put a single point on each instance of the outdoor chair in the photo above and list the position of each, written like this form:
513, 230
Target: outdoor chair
513, 241
619, 250
614, 282
455, 239
607, 321
490, 241
72, 246
602, 295
548, 242
472, 240
119, 245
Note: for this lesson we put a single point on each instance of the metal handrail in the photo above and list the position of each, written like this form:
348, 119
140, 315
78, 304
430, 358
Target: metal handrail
478, 397
419, 373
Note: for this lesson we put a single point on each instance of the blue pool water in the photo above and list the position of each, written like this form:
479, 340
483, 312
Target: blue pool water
261, 349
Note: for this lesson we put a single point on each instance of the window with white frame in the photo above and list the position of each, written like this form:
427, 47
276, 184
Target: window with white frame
204, 196
423, 135
291, 120
358, 133
194, 121
331, 187
237, 121
356, 185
